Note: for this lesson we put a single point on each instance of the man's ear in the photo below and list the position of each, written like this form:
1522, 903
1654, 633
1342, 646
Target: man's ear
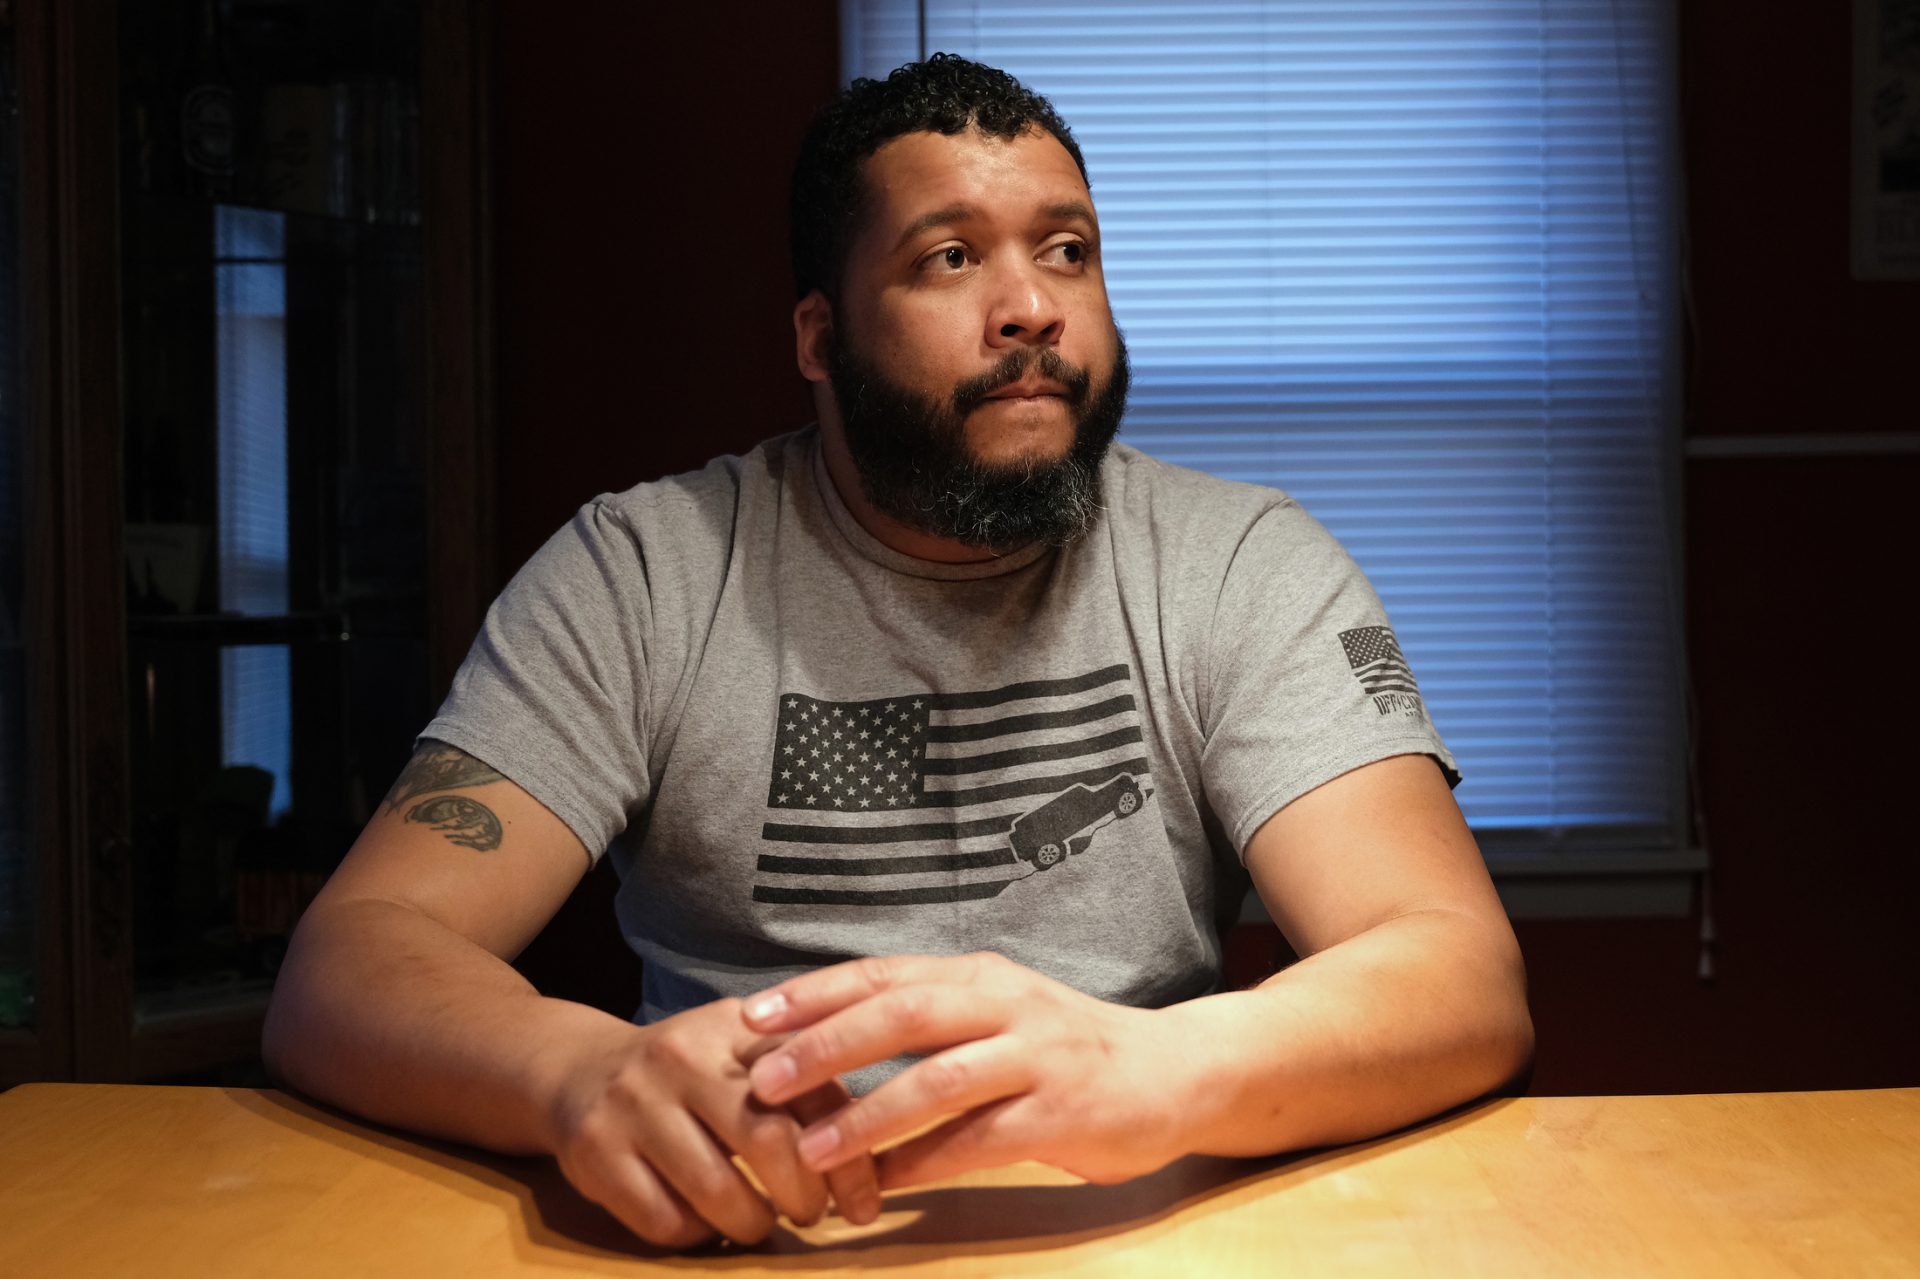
813, 335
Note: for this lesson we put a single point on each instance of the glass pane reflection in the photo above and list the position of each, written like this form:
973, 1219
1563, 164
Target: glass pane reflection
250, 363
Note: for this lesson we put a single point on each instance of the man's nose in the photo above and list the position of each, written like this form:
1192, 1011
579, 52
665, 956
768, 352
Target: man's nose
1025, 310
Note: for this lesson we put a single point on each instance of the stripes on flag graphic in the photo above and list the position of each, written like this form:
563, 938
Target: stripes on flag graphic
924, 797
1380, 666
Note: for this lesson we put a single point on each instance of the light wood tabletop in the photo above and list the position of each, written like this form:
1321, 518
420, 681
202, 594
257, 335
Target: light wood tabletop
102, 1180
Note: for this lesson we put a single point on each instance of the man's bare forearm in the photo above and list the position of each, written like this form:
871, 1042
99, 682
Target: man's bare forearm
385, 1012
1420, 1013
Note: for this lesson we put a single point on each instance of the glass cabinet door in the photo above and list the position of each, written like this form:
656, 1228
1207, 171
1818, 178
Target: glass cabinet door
275, 467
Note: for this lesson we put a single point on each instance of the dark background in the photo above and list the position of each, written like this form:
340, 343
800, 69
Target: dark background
643, 324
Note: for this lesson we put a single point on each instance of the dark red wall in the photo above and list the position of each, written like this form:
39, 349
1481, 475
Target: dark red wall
1798, 569
644, 299
1786, 341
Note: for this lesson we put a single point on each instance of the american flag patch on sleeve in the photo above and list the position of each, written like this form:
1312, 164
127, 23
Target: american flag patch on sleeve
1375, 658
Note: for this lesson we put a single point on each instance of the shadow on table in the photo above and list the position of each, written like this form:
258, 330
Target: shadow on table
965, 1218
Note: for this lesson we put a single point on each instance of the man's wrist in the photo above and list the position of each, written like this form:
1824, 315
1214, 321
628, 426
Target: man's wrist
1186, 1069
572, 1039
1230, 1051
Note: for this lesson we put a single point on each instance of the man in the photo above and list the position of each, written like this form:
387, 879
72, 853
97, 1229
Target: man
949, 690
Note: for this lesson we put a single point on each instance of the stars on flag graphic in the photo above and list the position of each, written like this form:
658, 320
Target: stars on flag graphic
1377, 662
914, 797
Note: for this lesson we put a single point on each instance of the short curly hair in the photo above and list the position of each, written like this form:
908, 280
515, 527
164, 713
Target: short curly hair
944, 94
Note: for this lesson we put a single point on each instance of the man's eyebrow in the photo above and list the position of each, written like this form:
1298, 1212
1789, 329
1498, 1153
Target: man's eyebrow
939, 217
1068, 210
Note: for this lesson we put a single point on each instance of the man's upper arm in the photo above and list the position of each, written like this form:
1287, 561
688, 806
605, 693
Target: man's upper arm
465, 846
1383, 840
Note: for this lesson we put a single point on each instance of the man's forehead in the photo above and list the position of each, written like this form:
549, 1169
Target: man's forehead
916, 175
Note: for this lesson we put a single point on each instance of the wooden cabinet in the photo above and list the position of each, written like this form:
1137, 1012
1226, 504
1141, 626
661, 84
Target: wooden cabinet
247, 454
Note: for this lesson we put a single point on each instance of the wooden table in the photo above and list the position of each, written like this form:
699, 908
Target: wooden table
100, 1180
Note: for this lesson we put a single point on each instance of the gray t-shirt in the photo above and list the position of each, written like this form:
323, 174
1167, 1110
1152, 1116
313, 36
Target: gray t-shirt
801, 746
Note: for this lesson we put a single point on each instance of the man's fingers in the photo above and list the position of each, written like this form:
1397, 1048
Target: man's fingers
960, 1079
806, 999
688, 1159
856, 1189
916, 1017
625, 1186
855, 1184
765, 1137
979, 1139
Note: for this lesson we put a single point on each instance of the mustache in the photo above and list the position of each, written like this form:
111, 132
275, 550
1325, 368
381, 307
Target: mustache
1014, 365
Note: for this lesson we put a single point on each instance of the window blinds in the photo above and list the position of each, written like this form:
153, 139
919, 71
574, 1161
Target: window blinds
1411, 262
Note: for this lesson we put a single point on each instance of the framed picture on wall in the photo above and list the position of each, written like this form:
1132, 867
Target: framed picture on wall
1886, 139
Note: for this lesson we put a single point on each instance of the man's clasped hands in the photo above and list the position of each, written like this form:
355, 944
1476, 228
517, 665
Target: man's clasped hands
1017, 1066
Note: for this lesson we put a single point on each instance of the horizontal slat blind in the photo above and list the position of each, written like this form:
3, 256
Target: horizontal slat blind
1409, 262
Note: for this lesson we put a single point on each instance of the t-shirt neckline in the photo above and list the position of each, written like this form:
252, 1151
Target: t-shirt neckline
872, 548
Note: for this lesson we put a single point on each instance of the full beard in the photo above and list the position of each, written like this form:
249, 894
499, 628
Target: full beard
916, 465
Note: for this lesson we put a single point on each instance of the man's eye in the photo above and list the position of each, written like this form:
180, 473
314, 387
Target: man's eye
951, 258
1071, 252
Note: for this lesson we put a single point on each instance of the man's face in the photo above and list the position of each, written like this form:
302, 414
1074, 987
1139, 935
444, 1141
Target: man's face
975, 364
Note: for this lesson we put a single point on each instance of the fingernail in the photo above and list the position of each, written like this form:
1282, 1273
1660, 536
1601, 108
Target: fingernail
771, 1073
819, 1144
766, 1007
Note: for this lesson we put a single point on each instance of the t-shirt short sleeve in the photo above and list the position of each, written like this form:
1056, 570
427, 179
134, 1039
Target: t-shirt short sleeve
1306, 679
553, 693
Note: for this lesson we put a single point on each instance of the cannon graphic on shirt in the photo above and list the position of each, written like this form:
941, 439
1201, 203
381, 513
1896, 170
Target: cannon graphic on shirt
1065, 824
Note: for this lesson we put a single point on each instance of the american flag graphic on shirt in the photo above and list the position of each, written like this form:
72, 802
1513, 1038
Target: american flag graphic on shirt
1380, 666
920, 797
